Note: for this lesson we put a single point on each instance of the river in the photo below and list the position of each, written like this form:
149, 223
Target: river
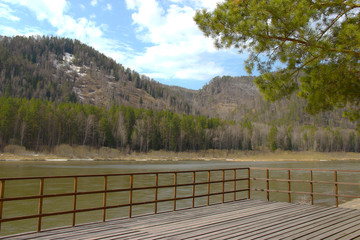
55, 168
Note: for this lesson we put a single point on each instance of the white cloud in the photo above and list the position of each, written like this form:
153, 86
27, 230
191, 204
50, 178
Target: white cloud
94, 3
54, 13
82, 6
198, 4
108, 7
7, 12
9, 31
45, 10
179, 47
131, 4
156, 75
208, 4
81, 28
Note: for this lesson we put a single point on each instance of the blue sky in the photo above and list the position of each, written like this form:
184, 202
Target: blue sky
157, 38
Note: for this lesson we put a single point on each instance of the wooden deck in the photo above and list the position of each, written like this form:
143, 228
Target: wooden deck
245, 219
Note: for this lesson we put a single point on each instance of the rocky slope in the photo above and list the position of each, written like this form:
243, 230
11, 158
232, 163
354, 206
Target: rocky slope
66, 70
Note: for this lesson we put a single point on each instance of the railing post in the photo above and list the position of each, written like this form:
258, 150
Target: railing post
223, 186
193, 190
208, 188
40, 207
311, 188
267, 184
131, 194
249, 183
234, 184
105, 197
289, 186
175, 184
156, 192
74, 201
2, 191
336, 189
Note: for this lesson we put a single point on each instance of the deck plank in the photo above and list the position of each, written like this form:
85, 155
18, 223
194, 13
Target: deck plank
271, 225
194, 221
348, 232
309, 227
240, 222
203, 226
153, 226
133, 222
312, 225
338, 226
245, 219
353, 235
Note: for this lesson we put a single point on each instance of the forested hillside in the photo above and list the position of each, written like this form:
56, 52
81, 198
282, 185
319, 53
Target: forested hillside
59, 91
59, 70
39, 124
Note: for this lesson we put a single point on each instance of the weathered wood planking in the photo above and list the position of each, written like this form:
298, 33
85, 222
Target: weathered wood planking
245, 219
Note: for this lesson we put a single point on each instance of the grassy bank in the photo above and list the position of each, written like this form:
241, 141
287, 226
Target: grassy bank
64, 152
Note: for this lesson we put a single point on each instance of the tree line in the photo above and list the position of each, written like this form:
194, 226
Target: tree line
41, 124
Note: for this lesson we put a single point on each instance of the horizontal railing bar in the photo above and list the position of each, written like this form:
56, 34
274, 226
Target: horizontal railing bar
50, 214
302, 181
118, 174
115, 190
189, 197
303, 169
186, 208
114, 206
306, 193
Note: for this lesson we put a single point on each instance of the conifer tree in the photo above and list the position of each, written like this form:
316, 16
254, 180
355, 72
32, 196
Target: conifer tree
318, 43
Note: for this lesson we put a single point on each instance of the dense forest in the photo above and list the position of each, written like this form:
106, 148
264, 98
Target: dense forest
59, 91
39, 125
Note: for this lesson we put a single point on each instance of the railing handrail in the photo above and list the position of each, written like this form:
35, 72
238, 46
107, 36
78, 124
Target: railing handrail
42, 182
304, 169
236, 175
309, 181
115, 190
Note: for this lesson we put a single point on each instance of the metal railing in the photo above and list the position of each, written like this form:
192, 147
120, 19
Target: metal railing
194, 185
153, 189
329, 179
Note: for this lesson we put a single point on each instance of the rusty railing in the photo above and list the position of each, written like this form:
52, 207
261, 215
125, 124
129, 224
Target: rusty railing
176, 189
213, 186
305, 177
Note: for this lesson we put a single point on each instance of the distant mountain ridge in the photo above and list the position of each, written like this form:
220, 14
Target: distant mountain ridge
61, 69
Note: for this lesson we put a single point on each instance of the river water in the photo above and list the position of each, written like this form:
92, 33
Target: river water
60, 168
54, 168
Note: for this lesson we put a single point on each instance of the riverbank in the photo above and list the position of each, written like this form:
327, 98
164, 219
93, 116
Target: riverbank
66, 152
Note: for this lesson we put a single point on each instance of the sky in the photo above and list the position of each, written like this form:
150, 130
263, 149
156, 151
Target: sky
157, 38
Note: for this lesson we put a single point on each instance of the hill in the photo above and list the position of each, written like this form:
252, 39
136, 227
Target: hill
76, 81
59, 70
